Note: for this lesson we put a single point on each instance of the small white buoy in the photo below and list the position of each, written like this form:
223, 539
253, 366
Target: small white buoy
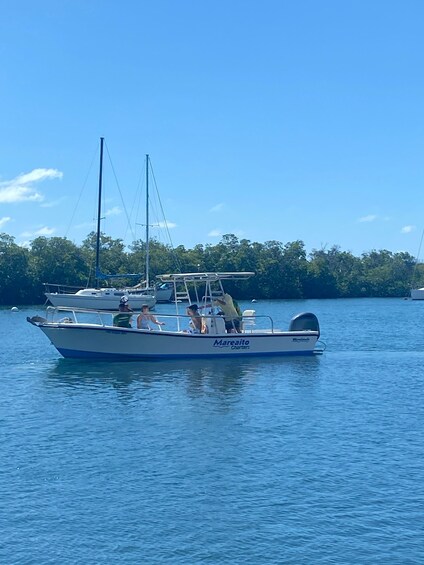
14, 309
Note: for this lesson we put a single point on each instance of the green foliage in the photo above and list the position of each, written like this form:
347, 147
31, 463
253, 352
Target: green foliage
14, 263
113, 258
418, 276
282, 270
56, 260
162, 259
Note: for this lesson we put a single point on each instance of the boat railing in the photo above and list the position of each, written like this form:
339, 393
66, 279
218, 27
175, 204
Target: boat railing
211, 323
61, 288
67, 314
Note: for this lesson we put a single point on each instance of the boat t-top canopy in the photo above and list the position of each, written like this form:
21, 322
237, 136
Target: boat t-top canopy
188, 285
205, 277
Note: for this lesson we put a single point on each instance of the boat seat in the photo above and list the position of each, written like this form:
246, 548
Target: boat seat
248, 320
215, 324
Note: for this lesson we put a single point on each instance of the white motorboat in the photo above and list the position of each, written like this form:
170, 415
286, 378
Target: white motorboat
107, 298
162, 292
78, 333
417, 294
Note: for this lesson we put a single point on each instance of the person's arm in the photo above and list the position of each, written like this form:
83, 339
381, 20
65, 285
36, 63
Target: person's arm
155, 321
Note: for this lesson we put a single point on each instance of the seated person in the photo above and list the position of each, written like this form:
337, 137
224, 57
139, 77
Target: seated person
196, 325
145, 317
123, 318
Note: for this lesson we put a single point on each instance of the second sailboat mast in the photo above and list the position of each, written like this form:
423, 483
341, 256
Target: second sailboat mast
147, 222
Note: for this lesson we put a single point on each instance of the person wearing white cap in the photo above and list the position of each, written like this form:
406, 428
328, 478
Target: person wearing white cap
123, 319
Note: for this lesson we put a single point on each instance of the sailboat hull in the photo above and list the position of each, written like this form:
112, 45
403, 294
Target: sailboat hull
99, 299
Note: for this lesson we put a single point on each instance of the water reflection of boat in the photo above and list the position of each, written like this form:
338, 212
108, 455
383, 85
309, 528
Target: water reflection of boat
212, 378
91, 334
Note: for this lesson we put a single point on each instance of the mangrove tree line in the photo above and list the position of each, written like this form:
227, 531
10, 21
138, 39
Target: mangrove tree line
282, 270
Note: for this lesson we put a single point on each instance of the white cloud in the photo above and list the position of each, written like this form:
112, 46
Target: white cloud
217, 208
13, 194
39, 174
41, 231
4, 221
215, 233
21, 189
407, 229
45, 231
369, 218
168, 225
86, 225
115, 211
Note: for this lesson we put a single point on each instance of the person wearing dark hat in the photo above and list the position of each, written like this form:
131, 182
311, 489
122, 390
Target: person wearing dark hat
123, 319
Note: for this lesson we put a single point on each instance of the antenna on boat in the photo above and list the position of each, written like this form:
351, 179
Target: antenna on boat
99, 210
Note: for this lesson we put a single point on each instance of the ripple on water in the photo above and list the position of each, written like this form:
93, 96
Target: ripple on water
251, 461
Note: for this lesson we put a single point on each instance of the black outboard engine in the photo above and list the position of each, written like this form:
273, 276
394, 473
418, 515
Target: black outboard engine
304, 321
35, 320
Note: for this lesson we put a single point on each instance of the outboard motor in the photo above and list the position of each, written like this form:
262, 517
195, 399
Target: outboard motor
35, 320
304, 321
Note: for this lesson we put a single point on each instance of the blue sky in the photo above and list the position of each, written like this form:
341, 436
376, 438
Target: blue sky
272, 120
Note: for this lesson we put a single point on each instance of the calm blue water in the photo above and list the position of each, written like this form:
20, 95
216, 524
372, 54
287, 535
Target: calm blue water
298, 460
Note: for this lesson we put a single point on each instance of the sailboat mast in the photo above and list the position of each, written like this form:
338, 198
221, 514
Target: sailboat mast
147, 222
99, 211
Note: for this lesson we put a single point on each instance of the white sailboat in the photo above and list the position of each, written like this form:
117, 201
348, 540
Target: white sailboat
92, 334
106, 298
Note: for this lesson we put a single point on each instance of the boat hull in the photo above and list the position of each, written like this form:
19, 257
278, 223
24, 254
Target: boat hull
92, 341
164, 294
417, 294
98, 302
